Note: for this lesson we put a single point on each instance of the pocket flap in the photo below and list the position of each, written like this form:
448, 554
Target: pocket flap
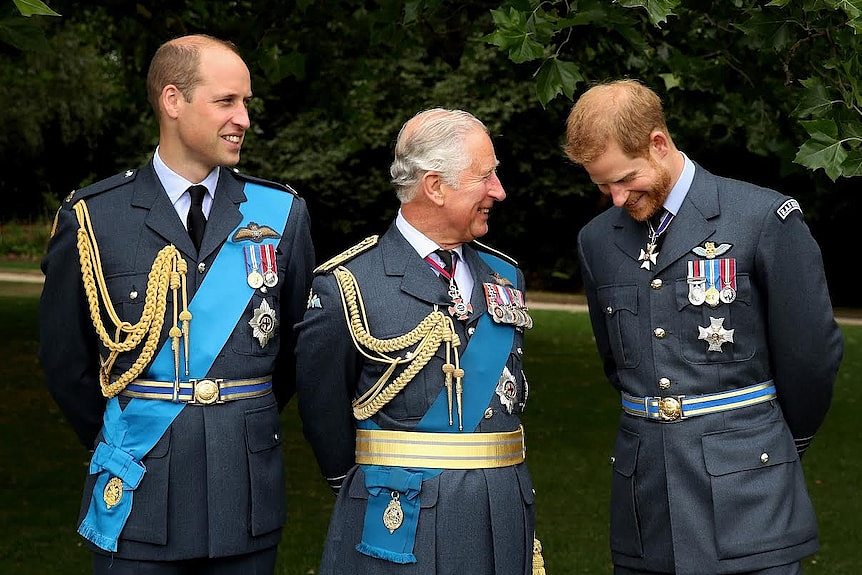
614, 298
262, 429
626, 452
526, 483
750, 448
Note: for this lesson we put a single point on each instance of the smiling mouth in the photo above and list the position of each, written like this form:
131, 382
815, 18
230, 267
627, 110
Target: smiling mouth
233, 139
485, 211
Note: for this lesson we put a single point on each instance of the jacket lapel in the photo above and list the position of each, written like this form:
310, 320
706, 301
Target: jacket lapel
224, 215
692, 225
162, 217
418, 279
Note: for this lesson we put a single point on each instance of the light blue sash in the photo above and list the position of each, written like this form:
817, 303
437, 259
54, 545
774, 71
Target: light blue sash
483, 362
129, 434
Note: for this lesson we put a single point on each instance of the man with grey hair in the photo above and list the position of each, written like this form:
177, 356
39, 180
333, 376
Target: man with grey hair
409, 374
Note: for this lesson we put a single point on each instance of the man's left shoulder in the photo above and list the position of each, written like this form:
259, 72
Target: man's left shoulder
480, 247
262, 182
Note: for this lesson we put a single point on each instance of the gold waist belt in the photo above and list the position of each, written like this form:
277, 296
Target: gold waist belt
439, 450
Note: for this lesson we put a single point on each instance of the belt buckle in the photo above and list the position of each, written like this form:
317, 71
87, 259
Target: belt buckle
670, 408
206, 391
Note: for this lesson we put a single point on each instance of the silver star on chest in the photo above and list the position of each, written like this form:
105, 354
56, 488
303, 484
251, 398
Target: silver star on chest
715, 335
263, 323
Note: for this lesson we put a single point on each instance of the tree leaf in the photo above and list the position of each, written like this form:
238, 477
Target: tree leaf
670, 81
34, 8
555, 77
815, 154
815, 99
822, 130
658, 10
852, 166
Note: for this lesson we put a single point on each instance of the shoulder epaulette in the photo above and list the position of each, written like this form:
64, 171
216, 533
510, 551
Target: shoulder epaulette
483, 248
99, 187
263, 182
347, 255
788, 206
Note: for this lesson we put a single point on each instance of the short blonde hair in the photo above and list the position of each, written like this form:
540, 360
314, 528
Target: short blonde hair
623, 111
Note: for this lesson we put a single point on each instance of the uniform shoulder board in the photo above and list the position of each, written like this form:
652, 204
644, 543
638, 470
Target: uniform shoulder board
263, 182
483, 248
787, 208
347, 255
101, 186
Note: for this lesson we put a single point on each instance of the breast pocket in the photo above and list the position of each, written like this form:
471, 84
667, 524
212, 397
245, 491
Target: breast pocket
619, 303
731, 323
128, 292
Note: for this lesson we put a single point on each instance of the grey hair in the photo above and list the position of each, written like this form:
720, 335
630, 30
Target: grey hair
433, 140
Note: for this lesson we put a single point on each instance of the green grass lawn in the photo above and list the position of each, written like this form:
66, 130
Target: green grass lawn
570, 422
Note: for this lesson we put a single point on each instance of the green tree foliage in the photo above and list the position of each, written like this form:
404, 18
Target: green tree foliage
334, 81
750, 65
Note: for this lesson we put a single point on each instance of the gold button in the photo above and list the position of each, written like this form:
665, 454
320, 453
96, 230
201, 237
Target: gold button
471, 331
202, 267
609, 309
489, 413
664, 383
655, 284
133, 294
764, 458
520, 351
659, 332
613, 459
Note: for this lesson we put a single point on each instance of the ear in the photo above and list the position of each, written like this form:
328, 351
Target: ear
431, 187
171, 100
659, 144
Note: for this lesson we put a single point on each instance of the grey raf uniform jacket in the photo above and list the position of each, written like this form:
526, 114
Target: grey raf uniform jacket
481, 518
721, 492
214, 482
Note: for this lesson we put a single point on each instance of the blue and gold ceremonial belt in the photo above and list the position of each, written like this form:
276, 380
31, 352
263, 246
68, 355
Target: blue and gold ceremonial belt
676, 407
200, 391
439, 450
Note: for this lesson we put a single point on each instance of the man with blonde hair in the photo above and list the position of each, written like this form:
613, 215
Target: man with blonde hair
712, 317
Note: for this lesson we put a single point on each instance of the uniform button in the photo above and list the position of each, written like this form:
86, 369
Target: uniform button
489, 413
520, 351
659, 332
612, 460
202, 267
764, 458
133, 294
471, 331
664, 383
609, 310
655, 284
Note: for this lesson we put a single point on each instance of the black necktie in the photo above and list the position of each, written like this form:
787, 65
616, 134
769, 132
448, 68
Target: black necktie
196, 221
446, 257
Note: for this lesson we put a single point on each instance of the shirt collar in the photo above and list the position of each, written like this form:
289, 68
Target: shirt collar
420, 242
176, 185
681, 187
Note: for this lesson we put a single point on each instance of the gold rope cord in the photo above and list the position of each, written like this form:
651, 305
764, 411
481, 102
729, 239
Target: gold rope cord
168, 271
435, 329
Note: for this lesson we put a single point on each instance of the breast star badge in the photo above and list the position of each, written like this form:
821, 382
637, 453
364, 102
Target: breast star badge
715, 335
263, 323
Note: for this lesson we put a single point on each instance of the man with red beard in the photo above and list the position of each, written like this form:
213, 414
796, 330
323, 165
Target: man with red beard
713, 320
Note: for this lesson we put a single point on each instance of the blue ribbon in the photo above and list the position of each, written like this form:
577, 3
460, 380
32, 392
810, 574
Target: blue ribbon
129, 434
483, 363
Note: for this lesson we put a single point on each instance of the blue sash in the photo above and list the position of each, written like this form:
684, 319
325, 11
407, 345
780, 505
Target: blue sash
129, 434
483, 362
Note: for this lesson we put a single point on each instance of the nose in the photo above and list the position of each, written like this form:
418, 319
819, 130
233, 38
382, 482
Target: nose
495, 188
619, 194
241, 118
